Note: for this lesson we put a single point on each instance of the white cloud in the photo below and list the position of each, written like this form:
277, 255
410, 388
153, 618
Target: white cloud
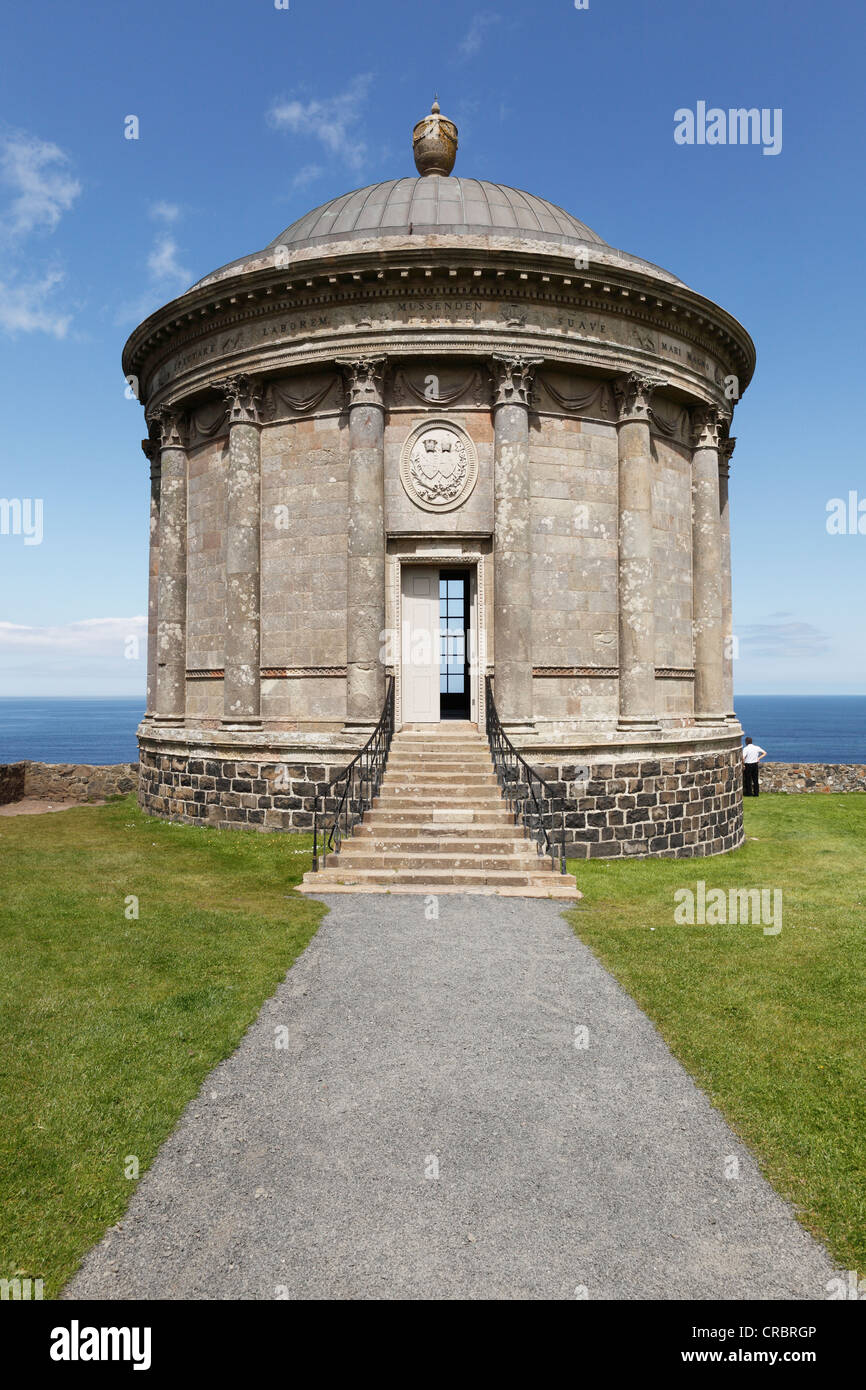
42, 189
24, 307
166, 276
307, 175
474, 38
39, 189
333, 121
165, 212
86, 635
793, 641
94, 655
163, 265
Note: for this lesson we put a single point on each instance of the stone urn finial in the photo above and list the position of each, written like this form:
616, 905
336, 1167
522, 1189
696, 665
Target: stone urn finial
434, 143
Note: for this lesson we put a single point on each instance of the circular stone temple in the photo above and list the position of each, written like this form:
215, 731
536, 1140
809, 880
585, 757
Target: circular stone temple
442, 396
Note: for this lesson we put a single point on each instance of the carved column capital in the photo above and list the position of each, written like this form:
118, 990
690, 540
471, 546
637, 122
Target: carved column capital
513, 379
168, 427
243, 396
364, 379
150, 449
726, 450
633, 394
708, 424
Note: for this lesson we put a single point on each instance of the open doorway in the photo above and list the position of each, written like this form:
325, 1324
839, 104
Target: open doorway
439, 621
454, 627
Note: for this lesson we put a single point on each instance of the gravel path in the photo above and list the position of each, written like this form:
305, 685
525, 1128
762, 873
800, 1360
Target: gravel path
304, 1171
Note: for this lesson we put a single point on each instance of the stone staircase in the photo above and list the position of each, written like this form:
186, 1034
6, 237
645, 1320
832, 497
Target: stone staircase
439, 825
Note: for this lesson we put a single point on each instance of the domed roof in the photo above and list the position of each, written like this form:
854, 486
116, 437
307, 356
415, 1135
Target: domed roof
435, 204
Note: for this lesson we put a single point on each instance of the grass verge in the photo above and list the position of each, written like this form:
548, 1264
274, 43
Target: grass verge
111, 1021
772, 1027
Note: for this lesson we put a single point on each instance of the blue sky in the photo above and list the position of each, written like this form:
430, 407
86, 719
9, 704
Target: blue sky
250, 115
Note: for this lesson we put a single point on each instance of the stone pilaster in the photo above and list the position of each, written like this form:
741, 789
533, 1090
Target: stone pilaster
365, 682
512, 541
725, 453
242, 683
708, 624
150, 449
171, 617
636, 572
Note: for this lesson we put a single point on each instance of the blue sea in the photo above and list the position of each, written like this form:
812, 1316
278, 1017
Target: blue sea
806, 728
792, 728
69, 730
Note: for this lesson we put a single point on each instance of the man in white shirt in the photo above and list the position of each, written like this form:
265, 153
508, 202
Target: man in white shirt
752, 755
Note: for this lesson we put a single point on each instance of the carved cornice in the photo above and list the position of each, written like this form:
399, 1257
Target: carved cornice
365, 380
244, 398
633, 394
512, 379
708, 424
168, 427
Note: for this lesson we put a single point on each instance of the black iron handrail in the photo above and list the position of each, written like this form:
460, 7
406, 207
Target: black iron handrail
519, 792
363, 778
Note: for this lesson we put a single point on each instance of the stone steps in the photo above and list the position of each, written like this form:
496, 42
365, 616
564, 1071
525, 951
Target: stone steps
439, 824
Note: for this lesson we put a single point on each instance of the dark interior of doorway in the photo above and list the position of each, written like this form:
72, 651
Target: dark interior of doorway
454, 686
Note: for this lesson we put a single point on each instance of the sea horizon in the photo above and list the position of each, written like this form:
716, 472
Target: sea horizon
101, 729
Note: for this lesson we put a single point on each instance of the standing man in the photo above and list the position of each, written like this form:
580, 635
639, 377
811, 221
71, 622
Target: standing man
752, 755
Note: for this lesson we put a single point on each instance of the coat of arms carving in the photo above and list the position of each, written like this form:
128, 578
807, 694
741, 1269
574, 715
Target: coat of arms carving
439, 465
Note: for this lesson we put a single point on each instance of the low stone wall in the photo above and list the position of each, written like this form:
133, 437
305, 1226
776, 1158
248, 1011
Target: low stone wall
11, 782
66, 781
234, 792
673, 807
813, 777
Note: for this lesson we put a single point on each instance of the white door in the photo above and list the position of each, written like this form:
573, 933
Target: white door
420, 645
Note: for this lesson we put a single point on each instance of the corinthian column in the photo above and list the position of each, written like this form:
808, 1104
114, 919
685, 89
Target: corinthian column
242, 684
365, 605
512, 541
725, 454
151, 452
636, 574
171, 604
707, 567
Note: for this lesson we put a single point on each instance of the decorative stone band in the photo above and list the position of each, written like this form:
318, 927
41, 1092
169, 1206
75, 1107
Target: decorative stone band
304, 672
217, 673
600, 672
669, 673
365, 380
512, 379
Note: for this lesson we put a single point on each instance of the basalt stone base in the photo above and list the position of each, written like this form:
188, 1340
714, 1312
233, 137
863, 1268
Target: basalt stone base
676, 801
206, 777
676, 805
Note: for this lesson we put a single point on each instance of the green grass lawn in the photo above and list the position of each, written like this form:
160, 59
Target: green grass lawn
110, 1024
772, 1027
